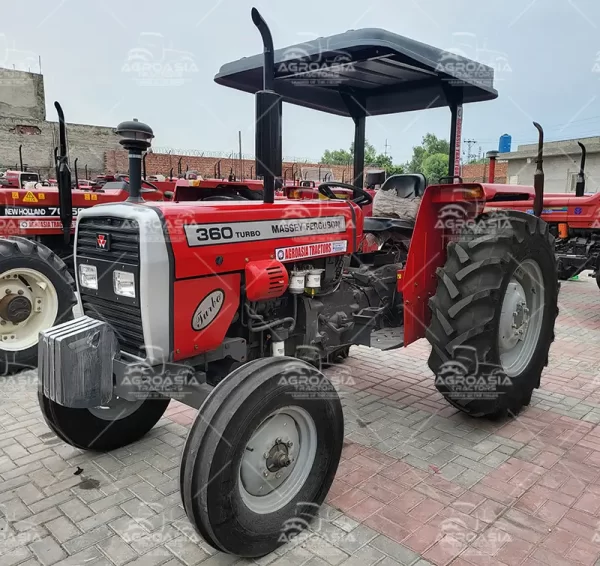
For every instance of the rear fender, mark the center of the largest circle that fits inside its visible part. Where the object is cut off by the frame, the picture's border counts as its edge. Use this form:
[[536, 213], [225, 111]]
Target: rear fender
[[443, 212]]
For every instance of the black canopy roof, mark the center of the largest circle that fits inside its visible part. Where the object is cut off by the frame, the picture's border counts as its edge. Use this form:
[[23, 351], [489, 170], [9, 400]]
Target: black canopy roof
[[381, 71]]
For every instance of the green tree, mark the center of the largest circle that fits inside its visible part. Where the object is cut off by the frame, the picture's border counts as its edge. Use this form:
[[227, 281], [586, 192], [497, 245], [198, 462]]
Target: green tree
[[336, 157], [372, 158], [435, 166], [431, 145]]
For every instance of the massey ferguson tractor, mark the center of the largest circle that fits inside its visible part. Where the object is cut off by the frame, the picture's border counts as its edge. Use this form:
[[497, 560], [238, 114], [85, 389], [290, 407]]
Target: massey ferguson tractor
[[231, 306], [574, 220], [36, 288]]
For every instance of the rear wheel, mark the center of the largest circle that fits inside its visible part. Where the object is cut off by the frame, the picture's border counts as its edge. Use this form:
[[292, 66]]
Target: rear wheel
[[494, 311], [36, 293], [116, 424], [261, 455]]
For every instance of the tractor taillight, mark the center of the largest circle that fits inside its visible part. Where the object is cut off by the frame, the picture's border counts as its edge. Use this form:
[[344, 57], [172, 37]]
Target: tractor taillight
[[265, 279], [473, 193]]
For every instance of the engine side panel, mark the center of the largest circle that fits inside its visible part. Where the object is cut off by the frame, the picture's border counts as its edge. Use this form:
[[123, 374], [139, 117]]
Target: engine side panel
[[210, 238], [203, 310]]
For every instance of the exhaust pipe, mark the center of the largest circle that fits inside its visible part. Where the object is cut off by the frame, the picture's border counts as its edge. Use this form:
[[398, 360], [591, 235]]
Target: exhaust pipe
[[63, 177], [580, 186], [21, 157], [492, 156], [538, 177], [268, 116], [76, 176]]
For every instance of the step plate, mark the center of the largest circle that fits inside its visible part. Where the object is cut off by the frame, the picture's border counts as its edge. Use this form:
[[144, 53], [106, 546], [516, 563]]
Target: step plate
[[387, 338]]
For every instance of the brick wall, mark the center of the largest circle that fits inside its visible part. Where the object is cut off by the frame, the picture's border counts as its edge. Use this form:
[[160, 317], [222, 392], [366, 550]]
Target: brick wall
[[478, 172], [161, 163]]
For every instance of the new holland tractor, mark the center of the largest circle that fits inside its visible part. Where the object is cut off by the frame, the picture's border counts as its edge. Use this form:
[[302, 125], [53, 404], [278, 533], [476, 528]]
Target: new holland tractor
[[231, 306]]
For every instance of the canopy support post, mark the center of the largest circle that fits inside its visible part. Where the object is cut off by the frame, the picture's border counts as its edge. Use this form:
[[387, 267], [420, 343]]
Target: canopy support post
[[357, 110]]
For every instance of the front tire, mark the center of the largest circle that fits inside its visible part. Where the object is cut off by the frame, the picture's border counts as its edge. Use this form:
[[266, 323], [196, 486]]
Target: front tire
[[103, 428], [261, 455], [36, 293], [494, 310]]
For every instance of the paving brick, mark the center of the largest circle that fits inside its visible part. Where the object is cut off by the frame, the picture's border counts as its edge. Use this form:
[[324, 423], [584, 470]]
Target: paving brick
[[62, 529], [87, 539], [47, 551], [15, 556], [395, 550], [75, 510], [117, 550]]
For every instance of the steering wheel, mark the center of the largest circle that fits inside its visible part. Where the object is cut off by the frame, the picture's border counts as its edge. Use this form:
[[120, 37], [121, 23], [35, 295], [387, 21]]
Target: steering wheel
[[359, 196], [154, 187]]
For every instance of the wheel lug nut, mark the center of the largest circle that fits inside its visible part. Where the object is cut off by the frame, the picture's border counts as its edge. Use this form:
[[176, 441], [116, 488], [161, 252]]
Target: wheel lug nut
[[266, 455], [290, 444], [266, 474], [8, 291], [278, 476], [20, 291]]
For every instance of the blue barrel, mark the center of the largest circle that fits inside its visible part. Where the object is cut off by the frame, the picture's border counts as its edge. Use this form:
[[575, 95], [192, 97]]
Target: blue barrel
[[504, 143]]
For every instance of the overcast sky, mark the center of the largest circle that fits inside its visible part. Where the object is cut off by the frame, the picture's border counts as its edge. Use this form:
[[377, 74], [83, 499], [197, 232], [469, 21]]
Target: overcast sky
[[546, 54]]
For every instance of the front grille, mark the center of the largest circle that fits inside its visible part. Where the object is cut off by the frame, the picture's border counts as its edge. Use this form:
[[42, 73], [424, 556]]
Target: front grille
[[124, 319], [124, 239]]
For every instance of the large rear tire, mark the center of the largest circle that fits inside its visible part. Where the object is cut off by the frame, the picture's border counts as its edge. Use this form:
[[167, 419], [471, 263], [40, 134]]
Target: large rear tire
[[106, 428], [261, 455], [36, 293], [494, 312]]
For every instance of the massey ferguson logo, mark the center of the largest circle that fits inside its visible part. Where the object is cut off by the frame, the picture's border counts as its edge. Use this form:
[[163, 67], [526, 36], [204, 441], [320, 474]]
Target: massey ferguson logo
[[103, 242]]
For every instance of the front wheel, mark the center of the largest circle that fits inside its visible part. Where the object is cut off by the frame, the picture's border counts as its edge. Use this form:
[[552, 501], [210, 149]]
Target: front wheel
[[494, 312], [36, 293], [117, 424], [261, 455]]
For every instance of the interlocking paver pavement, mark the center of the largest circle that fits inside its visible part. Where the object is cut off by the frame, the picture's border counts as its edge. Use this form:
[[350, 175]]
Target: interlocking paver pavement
[[418, 484]]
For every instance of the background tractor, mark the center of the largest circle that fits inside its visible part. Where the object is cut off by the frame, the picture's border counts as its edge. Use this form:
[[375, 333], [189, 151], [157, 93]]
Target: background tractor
[[230, 306], [574, 220]]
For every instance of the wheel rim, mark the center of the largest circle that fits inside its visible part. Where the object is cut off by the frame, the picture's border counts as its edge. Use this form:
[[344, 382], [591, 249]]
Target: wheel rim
[[521, 318], [277, 460], [28, 305], [117, 409]]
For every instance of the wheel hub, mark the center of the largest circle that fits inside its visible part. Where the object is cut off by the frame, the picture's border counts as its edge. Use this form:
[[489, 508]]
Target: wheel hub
[[15, 308], [514, 319], [521, 318], [28, 304], [270, 455]]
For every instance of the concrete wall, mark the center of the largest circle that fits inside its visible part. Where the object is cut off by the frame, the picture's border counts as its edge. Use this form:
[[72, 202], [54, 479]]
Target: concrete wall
[[22, 95], [558, 170], [39, 138], [22, 122]]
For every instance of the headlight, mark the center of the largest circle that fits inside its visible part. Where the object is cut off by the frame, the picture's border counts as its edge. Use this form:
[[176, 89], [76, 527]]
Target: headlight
[[88, 276], [124, 283]]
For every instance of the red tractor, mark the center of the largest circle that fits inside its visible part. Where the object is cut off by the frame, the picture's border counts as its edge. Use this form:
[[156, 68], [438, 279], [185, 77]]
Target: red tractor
[[36, 224], [574, 220], [231, 306]]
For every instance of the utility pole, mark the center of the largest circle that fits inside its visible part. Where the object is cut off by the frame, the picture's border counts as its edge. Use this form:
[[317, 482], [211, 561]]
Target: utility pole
[[386, 148], [241, 161], [470, 144]]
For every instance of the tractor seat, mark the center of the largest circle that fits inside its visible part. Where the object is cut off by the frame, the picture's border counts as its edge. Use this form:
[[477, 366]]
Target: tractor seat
[[375, 224], [406, 186]]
